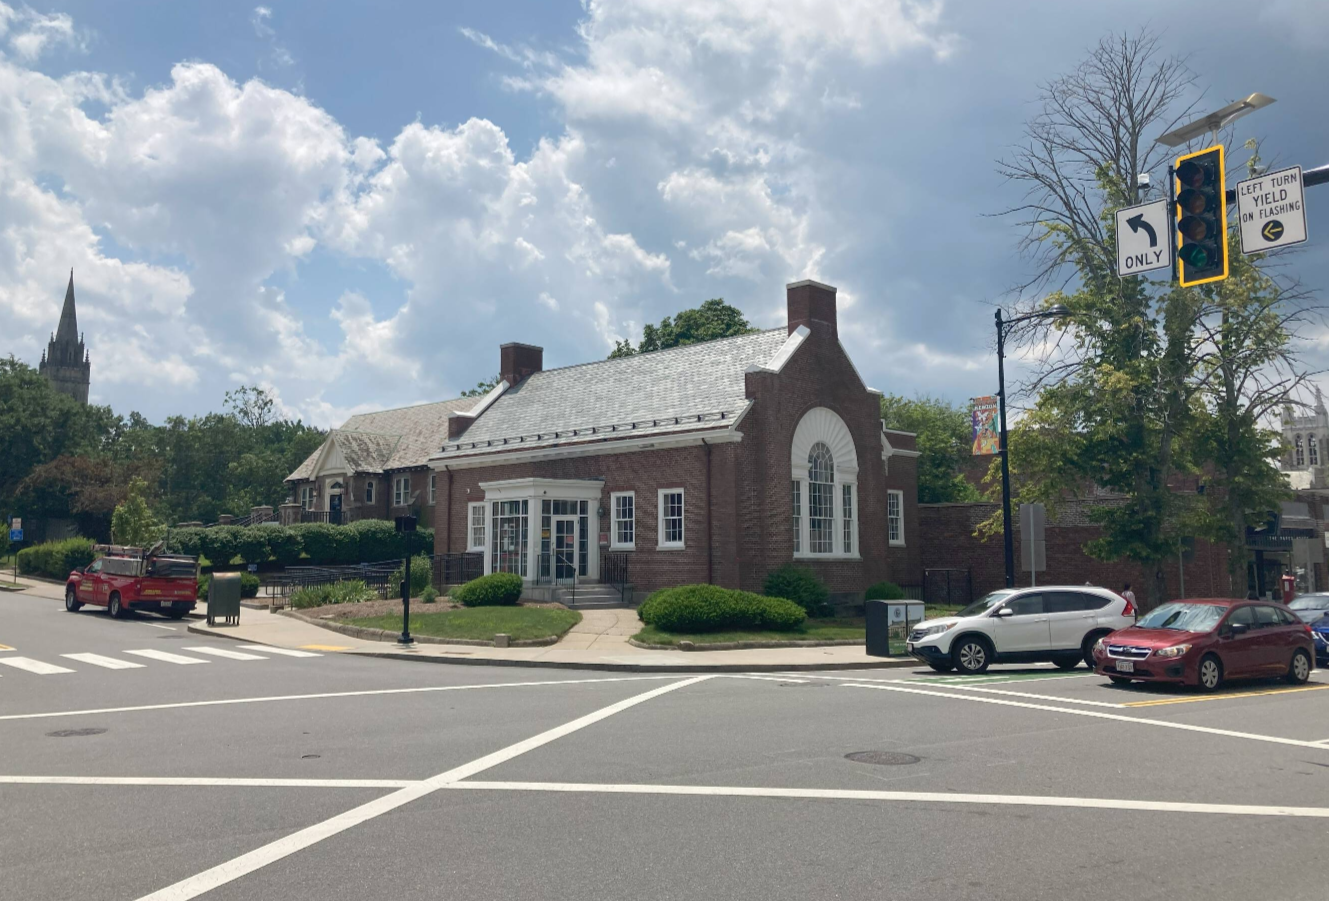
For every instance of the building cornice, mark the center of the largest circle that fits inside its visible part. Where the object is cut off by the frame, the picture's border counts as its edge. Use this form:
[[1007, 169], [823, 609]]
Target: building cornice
[[587, 449]]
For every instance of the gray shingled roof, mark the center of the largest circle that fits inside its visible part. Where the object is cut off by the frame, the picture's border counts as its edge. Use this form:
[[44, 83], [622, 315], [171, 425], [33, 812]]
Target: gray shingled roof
[[652, 390], [390, 439]]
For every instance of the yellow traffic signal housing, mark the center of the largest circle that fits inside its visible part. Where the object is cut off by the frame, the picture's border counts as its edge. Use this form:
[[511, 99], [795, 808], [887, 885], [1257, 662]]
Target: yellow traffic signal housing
[[1201, 216]]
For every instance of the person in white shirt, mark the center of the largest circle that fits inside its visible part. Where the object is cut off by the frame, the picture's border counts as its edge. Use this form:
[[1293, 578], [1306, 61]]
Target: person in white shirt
[[1128, 594]]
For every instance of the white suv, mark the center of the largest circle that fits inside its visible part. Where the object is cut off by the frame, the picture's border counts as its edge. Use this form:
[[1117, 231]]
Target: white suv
[[1059, 623]]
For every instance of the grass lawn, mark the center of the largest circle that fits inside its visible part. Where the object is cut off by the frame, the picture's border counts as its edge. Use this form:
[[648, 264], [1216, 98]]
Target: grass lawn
[[483, 623]]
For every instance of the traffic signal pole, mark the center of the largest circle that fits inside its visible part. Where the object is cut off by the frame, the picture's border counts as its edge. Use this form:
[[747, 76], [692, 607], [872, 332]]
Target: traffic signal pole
[[1007, 538]]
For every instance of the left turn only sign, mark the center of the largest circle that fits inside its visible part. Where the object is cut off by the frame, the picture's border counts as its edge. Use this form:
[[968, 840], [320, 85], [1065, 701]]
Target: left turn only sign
[[1143, 238]]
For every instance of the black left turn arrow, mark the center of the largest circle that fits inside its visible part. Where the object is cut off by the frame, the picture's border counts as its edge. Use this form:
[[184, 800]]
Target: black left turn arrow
[[1137, 222]]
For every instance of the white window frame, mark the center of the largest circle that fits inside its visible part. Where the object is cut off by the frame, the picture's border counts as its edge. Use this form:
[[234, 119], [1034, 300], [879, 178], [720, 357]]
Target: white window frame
[[660, 543], [401, 491], [471, 510], [796, 511], [614, 520], [824, 425], [306, 497], [432, 477], [898, 495], [848, 518], [369, 491]]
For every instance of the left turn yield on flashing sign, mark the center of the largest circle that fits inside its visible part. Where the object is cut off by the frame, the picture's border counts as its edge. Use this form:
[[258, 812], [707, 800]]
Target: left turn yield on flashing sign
[[1272, 210], [1143, 238]]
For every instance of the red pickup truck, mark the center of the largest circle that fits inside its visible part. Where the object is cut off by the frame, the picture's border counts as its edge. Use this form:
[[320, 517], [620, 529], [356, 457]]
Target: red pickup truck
[[133, 579]]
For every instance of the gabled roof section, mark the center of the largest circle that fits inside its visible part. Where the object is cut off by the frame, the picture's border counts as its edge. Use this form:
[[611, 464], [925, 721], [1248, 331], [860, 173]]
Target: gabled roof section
[[388, 439], [690, 388]]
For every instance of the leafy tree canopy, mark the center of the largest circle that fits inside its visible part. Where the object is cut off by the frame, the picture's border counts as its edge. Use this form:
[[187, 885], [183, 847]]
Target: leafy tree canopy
[[713, 319], [944, 445]]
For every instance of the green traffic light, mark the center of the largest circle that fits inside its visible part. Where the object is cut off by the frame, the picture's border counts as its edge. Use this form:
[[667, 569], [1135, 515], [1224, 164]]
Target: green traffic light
[[1197, 256]]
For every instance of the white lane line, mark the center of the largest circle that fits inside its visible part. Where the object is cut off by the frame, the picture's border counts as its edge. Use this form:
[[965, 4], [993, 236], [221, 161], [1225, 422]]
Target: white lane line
[[207, 781], [920, 797], [759, 678], [27, 664], [160, 626], [327, 694], [165, 656], [220, 875], [1166, 724], [225, 652], [285, 652], [1025, 694], [106, 662]]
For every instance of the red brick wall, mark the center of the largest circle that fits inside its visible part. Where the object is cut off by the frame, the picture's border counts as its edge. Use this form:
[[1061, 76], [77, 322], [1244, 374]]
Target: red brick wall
[[947, 542]]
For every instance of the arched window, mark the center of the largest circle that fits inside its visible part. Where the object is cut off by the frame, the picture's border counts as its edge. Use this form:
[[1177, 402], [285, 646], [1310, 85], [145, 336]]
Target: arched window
[[1313, 446], [824, 486], [1300, 453], [821, 499]]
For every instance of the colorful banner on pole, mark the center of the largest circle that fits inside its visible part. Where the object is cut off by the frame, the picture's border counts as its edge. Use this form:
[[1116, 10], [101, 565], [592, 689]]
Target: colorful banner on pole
[[987, 440]]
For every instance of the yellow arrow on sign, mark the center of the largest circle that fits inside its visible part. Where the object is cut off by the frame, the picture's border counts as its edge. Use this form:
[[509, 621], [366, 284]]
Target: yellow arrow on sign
[[1272, 231]]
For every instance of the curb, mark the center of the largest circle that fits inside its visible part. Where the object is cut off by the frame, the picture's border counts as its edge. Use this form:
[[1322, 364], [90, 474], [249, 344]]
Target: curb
[[747, 645]]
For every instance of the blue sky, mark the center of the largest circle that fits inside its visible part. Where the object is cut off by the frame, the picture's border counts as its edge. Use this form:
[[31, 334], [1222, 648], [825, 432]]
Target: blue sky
[[354, 204]]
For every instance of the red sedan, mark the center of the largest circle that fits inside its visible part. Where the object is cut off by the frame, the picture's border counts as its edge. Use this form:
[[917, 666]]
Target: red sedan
[[1203, 642]]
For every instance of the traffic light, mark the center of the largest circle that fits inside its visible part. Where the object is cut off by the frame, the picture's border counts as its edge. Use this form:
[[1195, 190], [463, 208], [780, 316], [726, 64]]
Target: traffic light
[[1202, 216]]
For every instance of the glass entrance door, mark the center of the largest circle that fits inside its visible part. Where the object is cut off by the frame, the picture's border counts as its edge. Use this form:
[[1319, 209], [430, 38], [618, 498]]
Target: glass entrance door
[[565, 548]]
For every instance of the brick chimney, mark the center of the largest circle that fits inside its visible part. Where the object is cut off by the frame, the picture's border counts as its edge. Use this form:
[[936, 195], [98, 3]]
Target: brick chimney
[[516, 361], [811, 304]]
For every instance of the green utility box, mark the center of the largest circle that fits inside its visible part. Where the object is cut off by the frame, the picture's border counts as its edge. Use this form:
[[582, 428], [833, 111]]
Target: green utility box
[[224, 599]]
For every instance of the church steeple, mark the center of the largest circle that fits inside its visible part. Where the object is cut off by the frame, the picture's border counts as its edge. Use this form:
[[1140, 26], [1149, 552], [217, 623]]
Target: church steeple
[[66, 363]]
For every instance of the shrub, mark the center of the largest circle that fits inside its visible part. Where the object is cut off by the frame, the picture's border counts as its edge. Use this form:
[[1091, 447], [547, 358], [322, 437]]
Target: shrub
[[429, 595], [319, 540], [493, 590], [185, 541], [710, 608], [884, 591], [377, 539], [251, 544], [218, 543], [350, 592], [421, 575], [800, 585], [55, 559], [248, 585], [284, 544], [203, 582]]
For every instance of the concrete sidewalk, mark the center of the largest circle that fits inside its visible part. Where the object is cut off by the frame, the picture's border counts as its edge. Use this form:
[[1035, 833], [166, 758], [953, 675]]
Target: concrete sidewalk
[[599, 641]]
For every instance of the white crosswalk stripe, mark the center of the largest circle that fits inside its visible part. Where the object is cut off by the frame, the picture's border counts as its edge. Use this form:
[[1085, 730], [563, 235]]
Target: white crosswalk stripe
[[34, 666], [106, 662], [285, 652], [225, 652], [165, 656]]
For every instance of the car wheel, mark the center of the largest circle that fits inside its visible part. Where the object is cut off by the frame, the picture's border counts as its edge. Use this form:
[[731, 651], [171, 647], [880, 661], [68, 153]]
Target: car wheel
[[1210, 672], [1119, 680], [72, 602], [942, 667], [1067, 663], [1300, 669], [1087, 649], [114, 607], [971, 656]]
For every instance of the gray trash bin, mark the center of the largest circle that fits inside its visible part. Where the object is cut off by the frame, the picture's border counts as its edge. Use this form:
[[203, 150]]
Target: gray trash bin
[[224, 599], [890, 621]]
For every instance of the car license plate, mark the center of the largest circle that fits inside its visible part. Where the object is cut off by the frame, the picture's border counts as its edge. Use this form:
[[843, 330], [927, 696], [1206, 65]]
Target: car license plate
[[1125, 666]]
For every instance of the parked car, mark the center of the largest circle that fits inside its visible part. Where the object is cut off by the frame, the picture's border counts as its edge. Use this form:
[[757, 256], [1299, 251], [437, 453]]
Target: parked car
[[1320, 636], [1205, 642], [1060, 623], [1310, 607], [129, 578]]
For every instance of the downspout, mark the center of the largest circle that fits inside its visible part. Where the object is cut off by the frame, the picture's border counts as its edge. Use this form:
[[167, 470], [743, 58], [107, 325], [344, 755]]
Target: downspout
[[447, 512], [710, 549]]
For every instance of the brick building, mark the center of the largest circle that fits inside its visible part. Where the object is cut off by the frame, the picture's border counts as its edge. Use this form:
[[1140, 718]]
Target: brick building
[[714, 462]]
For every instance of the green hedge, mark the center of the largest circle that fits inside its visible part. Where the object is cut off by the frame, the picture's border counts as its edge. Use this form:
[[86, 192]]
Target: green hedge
[[351, 592], [422, 575], [493, 590], [366, 541], [800, 585], [249, 585], [710, 608], [884, 591], [55, 559]]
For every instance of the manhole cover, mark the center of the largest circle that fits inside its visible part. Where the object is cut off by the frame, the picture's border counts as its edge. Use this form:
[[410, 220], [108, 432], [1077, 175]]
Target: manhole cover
[[882, 758], [70, 733]]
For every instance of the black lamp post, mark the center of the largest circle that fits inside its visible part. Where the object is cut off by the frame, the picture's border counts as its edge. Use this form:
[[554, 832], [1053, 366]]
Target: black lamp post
[[1007, 536], [406, 525]]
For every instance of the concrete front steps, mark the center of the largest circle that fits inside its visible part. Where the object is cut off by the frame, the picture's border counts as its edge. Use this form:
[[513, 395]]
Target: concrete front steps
[[590, 596]]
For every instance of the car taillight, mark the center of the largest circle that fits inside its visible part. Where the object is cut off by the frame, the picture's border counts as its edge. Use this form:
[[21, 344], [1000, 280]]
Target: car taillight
[[1130, 608]]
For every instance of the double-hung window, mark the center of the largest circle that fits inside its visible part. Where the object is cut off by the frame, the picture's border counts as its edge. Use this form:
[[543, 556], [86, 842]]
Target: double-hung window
[[671, 518], [475, 518], [798, 515], [821, 500], [307, 497], [401, 491], [847, 517], [369, 491], [895, 517], [623, 504], [432, 477]]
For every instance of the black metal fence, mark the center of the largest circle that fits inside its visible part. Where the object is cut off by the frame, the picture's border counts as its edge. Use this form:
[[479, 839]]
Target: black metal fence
[[614, 571], [947, 586], [457, 569]]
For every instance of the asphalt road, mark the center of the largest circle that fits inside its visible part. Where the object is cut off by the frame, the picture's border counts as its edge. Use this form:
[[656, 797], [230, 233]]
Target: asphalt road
[[335, 777]]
